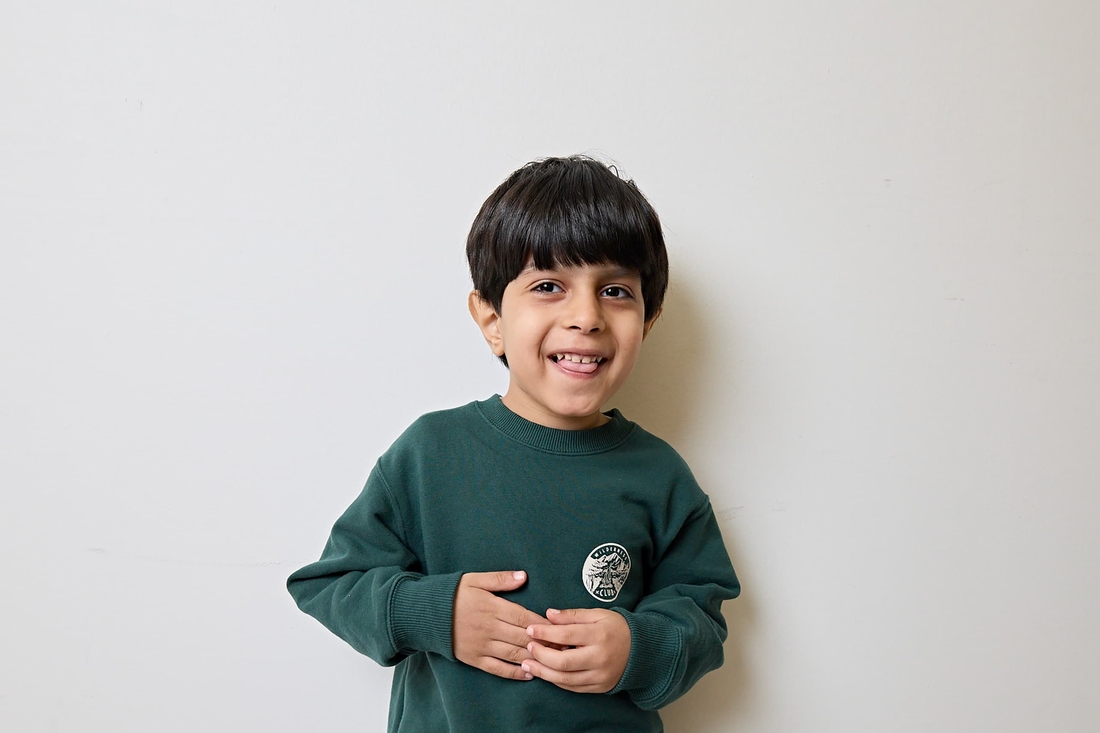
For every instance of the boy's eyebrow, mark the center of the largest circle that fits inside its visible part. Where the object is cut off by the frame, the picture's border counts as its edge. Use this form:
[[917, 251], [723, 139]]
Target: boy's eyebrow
[[621, 271]]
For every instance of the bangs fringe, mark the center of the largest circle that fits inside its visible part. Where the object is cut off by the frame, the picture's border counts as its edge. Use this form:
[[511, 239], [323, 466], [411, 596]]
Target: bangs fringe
[[562, 212]]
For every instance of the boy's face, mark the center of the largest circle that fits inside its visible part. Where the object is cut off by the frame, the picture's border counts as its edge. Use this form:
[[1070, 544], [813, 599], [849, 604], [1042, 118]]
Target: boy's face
[[571, 336]]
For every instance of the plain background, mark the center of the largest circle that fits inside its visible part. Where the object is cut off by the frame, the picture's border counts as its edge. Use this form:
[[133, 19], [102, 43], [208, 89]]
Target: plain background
[[232, 272]]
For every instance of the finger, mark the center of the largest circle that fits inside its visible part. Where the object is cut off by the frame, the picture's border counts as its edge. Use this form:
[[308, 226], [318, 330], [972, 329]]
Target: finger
[[504, 630], [496, 667], [517, 636], [562, 660], [576, 615], [506, 633], [583, 681], [571, 635], [501, 580], [515, 614], [506, 652]]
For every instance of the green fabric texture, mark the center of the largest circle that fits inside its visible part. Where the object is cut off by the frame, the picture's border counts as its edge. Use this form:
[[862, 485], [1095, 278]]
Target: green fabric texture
[[478, 489]]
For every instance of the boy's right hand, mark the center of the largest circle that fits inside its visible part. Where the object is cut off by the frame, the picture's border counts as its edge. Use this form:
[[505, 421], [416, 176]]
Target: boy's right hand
[[489, 632]]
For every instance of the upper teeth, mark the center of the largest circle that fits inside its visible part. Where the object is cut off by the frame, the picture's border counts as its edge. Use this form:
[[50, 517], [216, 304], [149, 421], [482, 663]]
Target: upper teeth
[[578, 358]]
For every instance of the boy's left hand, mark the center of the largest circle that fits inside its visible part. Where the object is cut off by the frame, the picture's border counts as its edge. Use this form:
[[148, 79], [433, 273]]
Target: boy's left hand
[[600, 647]]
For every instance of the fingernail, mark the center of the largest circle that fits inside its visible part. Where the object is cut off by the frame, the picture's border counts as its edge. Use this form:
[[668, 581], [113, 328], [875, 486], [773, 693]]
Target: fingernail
[[528, 676], [518, 575], [526, 668], [530, 630], [530, 648], [552, 611]]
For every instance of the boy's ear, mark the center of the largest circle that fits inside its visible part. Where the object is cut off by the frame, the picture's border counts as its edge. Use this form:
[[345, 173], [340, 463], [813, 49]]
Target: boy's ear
[[488, 320], [649, 324]]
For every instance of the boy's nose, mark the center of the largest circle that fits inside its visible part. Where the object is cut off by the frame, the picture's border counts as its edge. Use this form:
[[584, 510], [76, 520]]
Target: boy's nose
[[585, 314]]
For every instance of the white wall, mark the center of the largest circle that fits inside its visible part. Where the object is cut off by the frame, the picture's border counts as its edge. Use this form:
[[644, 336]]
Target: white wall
[[232, 272]]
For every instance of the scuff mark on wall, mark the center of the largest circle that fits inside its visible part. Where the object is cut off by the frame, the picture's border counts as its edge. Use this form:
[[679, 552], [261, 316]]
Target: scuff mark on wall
[[729, 513]]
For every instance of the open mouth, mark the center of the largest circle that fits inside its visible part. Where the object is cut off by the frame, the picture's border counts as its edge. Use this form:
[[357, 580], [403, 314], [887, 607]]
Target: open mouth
[[578, 364], [577, 359]]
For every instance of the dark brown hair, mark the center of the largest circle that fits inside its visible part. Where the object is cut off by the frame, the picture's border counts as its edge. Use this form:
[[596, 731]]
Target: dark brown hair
[[564, 212]]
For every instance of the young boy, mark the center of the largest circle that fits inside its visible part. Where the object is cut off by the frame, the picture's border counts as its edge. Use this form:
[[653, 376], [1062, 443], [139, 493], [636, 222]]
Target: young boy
[[528, 562]]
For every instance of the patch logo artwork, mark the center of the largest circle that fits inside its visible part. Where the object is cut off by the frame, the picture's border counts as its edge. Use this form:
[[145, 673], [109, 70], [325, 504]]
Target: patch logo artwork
[[605, 571]]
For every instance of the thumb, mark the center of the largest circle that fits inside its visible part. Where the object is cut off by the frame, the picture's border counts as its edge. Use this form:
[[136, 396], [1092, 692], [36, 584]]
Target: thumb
[[575, 615], [500, 580]]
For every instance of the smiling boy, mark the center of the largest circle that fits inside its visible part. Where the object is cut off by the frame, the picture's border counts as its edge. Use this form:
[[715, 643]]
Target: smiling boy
[[529, 562], [571, 335]]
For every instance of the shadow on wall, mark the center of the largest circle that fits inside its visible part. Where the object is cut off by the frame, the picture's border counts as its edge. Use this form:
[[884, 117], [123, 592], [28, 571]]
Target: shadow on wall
[[664, 394]]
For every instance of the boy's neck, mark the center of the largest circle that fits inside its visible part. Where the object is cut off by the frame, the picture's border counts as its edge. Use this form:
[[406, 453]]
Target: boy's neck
[[515, 401]]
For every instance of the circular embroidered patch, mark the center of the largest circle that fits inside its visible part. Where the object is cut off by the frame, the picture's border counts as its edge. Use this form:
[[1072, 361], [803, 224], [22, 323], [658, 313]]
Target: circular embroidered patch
[[605, 571]]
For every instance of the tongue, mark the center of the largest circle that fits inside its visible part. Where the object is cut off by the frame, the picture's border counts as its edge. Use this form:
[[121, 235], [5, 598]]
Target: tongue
[[577, 367]]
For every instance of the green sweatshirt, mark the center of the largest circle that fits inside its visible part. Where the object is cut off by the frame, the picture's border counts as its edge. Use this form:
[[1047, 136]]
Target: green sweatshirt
[[604, 518]]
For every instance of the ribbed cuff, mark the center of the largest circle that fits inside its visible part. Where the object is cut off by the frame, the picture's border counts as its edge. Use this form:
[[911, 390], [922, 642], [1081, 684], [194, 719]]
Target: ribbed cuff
[[655, 646], [421, 612]]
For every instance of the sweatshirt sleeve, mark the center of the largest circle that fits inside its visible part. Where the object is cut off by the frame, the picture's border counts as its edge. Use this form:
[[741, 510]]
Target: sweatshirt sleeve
[[367, 587], [677, 630]]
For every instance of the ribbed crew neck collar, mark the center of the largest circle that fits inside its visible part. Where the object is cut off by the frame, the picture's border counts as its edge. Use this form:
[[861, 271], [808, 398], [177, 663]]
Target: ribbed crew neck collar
[[555, 440]]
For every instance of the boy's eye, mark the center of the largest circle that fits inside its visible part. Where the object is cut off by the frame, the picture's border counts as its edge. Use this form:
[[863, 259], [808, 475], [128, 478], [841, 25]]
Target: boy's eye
[[616, 291], [547, 288]]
